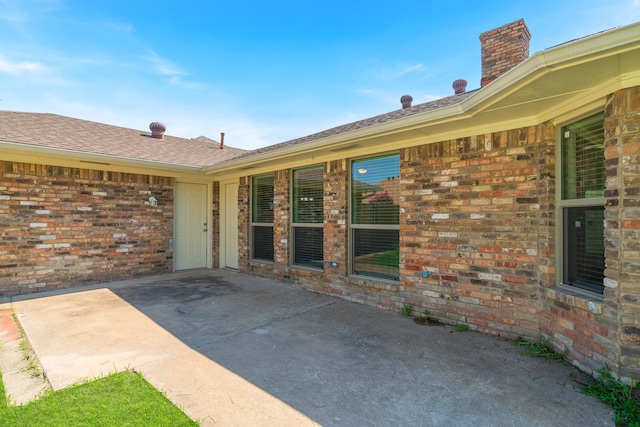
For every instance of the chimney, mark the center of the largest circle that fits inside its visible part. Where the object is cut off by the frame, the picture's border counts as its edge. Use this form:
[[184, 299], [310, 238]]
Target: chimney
[[222, 140], [460, 86], [157, 130], [406, 101], [502, 49]]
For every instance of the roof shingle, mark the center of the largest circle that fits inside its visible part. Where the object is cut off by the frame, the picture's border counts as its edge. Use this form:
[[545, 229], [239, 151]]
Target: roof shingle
[[372, 121], [60, 132]]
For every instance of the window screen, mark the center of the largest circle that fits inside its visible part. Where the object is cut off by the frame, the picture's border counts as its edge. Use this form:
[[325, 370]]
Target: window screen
[[262, 217], [375, 193], [583, 181], [308, 217]]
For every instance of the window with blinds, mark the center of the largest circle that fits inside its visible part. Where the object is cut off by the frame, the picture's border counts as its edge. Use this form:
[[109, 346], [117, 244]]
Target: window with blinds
[[262, 217], [582, 203], [307, 217], [375, 193], [583, 159]]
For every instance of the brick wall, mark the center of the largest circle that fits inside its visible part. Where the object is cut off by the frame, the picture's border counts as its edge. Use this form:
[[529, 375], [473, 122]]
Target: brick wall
[[469, 233], [63, 227], [622, 224], [478, 240], [469, 230], [595, 331], [580, 327]]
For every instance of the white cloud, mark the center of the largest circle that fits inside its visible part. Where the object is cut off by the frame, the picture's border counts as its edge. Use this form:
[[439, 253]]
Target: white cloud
[[163, 66], [119, 27], [173, 72], [400, 70], [410, 68], [19, 67]]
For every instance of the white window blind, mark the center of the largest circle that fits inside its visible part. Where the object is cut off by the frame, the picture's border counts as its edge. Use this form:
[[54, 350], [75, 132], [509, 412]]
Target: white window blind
[[308, 217]]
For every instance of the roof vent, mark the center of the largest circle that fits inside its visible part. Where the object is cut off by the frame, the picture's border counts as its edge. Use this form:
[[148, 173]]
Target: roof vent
[[157, 130], [460, 86], [406, 101]]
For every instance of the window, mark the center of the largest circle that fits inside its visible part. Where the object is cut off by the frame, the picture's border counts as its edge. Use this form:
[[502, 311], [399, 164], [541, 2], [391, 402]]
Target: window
[[582, 203], [308, 217], [262, 217], [375, 190]]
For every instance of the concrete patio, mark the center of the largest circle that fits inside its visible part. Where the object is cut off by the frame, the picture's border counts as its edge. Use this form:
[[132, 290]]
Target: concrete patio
[[232, 349]]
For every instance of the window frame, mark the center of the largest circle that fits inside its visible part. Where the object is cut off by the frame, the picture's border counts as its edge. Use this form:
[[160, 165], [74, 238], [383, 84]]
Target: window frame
[[296, 225], [254, 224], [354, 227], [562, 211]]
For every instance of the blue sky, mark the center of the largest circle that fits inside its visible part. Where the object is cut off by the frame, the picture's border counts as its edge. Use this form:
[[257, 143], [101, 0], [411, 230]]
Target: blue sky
[[263, 72]]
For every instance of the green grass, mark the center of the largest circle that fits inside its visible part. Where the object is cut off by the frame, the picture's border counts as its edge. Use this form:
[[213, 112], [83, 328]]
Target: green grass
[[407, 310], [543, 349], [624, 399], [389, 258], [121, 399], [3, 399]]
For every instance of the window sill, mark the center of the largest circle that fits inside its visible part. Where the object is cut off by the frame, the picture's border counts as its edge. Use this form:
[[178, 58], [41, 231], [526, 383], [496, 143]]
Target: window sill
[[377, 282], [307, 268], [576, 297], [261, 261]]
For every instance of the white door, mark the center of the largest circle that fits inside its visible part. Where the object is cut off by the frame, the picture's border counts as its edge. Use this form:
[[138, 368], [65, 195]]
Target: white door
[[230, 225], [191, 226]]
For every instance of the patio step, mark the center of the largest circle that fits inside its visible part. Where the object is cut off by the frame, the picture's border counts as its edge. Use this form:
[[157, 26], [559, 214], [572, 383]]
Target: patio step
[[23, 380]]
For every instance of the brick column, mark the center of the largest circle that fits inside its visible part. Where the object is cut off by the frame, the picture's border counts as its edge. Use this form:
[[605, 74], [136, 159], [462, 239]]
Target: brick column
[[215, 225], [622, 224], [545, 135], [281, 223], [335, 216], [243, 223]]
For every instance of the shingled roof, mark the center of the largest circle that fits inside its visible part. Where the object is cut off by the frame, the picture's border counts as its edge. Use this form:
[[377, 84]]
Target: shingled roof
[[372, 121], [66, 133]]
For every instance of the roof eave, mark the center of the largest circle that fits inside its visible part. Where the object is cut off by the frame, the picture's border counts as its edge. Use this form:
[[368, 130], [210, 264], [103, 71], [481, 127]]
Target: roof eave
[[13, 151], [577, 53]]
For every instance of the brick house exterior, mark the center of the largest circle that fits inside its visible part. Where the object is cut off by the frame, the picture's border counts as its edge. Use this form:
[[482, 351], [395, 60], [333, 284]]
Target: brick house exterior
[[67, 220], [481, 217], [72, 226]]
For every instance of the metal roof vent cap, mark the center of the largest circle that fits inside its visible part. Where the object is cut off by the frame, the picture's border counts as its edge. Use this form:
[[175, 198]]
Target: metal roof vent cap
[[460, 86], [406, 101], [157, 130]]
